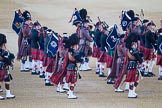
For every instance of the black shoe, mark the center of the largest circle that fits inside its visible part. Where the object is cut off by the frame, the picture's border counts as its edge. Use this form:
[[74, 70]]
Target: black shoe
[[133, 97], [151, 74], [10, 97], [110, 82], [35, 73], [29, 68], [97, 72], [142, 73], [42, 76], [101, 75], [1, 90], [48, 84], [160, 78], [147, 75], [25, 70], [2, 98]]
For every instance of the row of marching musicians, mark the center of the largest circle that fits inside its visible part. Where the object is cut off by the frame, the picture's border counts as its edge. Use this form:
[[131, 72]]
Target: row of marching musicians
[[55, 58], [50, 56], [131, 54]]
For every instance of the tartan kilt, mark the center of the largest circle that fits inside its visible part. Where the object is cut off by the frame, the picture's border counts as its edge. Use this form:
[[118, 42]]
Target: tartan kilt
[[131, 75], [41, 55], [159, 60], [86, 49], [45, 60], [96, 52], [58, 77], [103, 57], [142, 49], [3, 73], [35, 53], [71, 76], [149, 54], [109, 61], [50, 65], [25, 50]]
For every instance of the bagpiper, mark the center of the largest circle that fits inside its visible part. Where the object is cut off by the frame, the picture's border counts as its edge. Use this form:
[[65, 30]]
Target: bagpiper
[[74, 57], [84, 45], [35, 34], [42, 37], [159, 52], [24, 42], [134, 59], [6, 61], [97, 45], [150, 48]]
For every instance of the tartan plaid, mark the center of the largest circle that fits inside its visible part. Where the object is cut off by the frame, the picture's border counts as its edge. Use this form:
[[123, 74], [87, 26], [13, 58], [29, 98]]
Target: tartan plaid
[[142, 49], [3, 73], [58, 77], [50, 65], [109, 61], [102, 57], [131, 75], [96, 52], [148, 54], [159, 60], [35, 53], [45, 60], [25, 50], [41, 55], [71, 76]]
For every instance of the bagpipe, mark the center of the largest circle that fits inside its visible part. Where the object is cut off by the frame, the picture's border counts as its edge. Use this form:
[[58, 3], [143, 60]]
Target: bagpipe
[[103, 23], [127, 17], [78, 56], [79, 16], [8, 59], [141, 15]]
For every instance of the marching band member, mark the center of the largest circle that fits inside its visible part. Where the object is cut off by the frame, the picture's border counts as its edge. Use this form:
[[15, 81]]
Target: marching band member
[[159, 52], [84, 45], [49, 60], [6, 60], [97, 45], [150, 47], [35, 34], [41, 51], [118, 62], [74, 57], [134, 58], [24, 41], [103, 52]]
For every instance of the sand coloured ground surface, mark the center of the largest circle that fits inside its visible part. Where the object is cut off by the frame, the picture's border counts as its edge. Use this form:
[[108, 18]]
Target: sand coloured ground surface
[[92, 91]]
